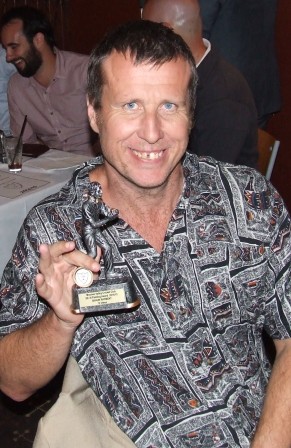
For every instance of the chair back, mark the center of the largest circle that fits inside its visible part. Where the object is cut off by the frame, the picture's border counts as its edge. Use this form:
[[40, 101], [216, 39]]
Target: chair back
[[268, 149]]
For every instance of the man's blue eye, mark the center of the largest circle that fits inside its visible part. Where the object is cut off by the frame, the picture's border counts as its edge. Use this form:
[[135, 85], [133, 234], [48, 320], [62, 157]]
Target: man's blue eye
[[169, 106], [131, 106]]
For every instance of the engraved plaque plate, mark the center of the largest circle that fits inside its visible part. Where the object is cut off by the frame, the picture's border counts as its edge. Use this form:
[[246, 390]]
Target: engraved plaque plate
[[105, 295]]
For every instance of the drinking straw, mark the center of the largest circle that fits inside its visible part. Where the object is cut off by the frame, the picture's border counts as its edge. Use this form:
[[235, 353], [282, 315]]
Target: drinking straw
[[19, 138]]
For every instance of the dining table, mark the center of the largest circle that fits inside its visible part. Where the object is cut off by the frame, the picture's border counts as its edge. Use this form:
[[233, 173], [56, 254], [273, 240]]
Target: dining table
[[40, 177]]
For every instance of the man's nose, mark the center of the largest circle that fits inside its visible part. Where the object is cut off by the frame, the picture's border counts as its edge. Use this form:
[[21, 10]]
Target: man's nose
[[151, 127], [9, 55]]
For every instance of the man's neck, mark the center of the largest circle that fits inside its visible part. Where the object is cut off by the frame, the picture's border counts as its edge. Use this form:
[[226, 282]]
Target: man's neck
[[149, 212], [116, 189], [47, 70], [198, 50]]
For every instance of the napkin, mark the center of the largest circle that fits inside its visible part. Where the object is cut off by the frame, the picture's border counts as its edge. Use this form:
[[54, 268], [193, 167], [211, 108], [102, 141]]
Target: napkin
[[56, 160]]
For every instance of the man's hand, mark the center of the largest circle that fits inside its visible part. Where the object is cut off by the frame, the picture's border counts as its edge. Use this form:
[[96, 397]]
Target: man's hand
[[55, 279]]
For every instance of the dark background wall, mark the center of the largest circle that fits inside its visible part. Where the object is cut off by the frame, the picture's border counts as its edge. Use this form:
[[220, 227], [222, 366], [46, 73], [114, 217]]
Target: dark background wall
[[80, 24], [88, 20], [280, 124]]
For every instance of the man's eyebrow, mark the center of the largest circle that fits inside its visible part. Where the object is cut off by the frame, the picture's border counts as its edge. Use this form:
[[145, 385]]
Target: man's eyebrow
[[10, 44]]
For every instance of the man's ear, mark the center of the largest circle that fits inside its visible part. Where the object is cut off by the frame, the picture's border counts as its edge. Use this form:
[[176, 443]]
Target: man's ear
[[168, 25], [92, 118], [38, 40]]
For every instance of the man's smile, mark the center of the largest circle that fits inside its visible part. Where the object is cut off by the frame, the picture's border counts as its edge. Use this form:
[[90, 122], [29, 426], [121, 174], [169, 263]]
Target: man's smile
[[148, 155]]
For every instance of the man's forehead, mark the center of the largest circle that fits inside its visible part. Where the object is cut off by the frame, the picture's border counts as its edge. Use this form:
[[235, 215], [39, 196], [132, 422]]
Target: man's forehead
[[14, 23], [13, 28], [119, 57], [124, 79], [127, 61]]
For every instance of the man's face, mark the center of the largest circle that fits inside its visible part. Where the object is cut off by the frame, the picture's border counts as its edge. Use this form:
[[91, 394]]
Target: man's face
[[19, 52], [144, 120]]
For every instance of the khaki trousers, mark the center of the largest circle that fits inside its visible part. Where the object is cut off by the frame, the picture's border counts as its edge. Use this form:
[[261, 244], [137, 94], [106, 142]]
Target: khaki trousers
[[78, 419]]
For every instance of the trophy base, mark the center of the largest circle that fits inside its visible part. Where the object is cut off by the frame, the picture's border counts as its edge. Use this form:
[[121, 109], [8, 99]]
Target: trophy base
[[105, 295]]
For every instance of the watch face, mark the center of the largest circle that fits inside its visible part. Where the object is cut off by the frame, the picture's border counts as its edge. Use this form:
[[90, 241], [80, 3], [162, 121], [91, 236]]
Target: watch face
[[83, 277]]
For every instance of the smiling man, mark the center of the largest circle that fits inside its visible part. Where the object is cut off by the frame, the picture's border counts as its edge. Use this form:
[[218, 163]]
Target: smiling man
[[50, 86], [207, 246], [143, 125]]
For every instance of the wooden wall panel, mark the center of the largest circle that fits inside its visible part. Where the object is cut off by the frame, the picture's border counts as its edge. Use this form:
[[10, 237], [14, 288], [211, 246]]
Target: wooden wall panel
[[89, 20]]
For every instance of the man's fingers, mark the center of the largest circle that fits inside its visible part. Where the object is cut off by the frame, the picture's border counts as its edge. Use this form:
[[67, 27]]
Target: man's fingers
[[65, 250], [45, 257], [57, 249], [41, 285], [80, 259], [50, 252]]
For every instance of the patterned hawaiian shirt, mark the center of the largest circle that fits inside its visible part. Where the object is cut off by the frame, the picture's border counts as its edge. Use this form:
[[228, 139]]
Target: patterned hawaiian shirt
[[187, 368]]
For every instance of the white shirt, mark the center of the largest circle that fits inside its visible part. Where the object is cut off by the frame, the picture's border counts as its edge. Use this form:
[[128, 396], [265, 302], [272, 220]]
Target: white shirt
[[208, 45], [6, 70]]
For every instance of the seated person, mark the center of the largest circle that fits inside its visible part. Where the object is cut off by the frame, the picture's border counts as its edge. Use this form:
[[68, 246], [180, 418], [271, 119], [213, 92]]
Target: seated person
[[50, 86], [207, 245], [225, 122], [244, 33], [6, 70]]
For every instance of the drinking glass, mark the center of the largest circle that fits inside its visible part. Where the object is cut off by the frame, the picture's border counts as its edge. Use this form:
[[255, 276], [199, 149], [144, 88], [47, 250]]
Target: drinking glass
[[13, 149]]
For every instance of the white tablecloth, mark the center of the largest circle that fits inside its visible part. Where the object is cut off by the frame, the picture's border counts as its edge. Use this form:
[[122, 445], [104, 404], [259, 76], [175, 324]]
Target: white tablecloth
[[55, 168]]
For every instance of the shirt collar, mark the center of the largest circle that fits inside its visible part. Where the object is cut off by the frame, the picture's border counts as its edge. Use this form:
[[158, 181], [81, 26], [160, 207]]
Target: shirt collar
[[60, 64], [208, 48], [59, 73]]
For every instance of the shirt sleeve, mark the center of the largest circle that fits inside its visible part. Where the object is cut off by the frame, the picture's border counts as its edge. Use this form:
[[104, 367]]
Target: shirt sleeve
[[278, 305], [17, 116], [19, 302]]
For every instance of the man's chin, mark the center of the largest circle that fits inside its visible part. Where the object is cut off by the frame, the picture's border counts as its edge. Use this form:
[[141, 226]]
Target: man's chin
[[23, 73]]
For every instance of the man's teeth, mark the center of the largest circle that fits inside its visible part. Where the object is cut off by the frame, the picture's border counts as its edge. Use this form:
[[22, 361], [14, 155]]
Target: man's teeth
[[148, 155]]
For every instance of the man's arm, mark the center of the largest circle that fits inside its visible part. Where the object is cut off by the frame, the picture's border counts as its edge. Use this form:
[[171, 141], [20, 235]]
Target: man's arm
[[31, 357], [17, 117], [274, 429]]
